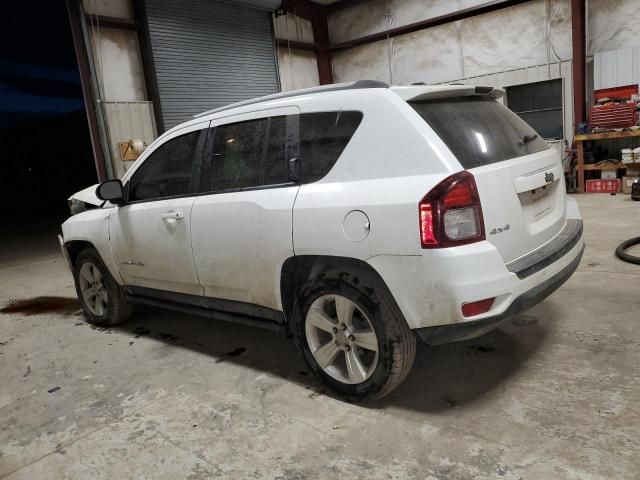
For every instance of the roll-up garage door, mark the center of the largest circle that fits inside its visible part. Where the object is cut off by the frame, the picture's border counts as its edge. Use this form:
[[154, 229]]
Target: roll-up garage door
[[208, 54]]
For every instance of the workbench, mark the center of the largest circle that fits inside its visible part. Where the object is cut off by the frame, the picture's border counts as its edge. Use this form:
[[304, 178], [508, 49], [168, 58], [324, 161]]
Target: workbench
[[581, 167]]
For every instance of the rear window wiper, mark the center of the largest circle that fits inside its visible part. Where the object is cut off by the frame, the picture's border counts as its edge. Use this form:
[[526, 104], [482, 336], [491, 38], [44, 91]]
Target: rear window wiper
[[528, 138]]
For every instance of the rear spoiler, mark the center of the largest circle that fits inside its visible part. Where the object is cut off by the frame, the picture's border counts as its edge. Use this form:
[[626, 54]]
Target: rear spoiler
[[434, 92]]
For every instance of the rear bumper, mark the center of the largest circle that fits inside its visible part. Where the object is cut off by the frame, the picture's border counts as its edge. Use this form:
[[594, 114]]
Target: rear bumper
[[466, 330], [430, 288]]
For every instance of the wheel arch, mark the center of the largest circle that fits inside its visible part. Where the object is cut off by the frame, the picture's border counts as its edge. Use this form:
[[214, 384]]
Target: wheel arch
[[298, 269], [74, 247]]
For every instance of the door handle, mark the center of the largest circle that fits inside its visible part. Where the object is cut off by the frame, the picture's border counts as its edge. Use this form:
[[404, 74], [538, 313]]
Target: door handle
[[172, 216]]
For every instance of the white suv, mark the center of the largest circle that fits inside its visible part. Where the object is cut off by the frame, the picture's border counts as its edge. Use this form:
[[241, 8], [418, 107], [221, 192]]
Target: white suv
[[356, 217]]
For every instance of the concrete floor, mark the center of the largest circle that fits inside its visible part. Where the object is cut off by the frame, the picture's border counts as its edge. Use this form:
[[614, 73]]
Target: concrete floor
[[554, 394]]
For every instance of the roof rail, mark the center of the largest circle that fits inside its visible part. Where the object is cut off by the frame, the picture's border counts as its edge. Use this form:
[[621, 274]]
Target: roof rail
[[359, 84]]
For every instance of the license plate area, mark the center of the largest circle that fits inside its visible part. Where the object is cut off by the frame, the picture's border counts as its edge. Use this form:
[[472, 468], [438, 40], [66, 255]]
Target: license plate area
[[538, 203]]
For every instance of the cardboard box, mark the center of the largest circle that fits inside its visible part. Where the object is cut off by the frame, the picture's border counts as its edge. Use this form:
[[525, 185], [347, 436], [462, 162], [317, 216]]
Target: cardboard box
[[602, 186], [627, 182]]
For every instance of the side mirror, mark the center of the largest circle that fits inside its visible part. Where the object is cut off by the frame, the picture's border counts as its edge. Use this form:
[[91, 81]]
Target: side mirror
[[111, 191]]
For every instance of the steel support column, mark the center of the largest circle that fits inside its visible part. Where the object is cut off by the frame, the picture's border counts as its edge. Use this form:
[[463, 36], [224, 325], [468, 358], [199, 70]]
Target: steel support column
[[579, 58], [318, 18], [84, 68]]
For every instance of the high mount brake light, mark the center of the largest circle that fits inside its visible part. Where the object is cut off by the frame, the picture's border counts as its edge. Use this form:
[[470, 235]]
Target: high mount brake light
[[451, 214]]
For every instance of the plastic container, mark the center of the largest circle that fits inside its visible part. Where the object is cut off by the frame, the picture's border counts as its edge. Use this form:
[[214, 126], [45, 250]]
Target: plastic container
[[602, 186], [627, 155]]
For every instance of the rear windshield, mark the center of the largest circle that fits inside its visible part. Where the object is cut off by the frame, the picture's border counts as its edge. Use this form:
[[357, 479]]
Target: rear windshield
[[479, 131]]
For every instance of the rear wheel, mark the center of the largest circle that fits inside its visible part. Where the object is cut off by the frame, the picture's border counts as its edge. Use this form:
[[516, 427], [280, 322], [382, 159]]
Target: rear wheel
[[104, 302], [353, 335]]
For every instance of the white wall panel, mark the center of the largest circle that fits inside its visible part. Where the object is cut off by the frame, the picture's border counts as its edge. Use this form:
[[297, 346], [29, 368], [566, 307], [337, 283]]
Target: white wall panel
[[298, 69], [415, 60], [116, 56], [290, 27], [613, 25], [508, 39], [126, 121], [109, 8], [515, 37], [369, 62], [379, 15], [616, 68]]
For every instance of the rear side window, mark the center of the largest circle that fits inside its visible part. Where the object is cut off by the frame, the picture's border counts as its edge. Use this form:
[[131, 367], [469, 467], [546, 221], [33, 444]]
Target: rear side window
[[323, 137], [249, 154], [169, 171], [480, 131]]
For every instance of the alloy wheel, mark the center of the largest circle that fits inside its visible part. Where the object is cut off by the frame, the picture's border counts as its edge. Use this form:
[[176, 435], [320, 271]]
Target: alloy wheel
[[94, 292], [341, 339]]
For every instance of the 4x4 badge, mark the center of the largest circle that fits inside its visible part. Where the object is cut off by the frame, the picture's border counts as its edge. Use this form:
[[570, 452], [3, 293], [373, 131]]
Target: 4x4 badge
[[497, 230], [548, 177]]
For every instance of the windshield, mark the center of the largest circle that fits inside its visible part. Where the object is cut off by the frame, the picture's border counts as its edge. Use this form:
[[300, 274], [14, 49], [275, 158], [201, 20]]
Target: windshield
[[479, 131]]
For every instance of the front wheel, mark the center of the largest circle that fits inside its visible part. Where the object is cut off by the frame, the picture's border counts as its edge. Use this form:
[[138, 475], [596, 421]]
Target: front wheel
[[104, 302], [353, 335]]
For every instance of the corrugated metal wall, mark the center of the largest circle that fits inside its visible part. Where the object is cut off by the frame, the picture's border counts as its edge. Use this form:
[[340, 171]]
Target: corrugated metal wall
[[208, 54], [126, 121], [535, 74], [616, 68]]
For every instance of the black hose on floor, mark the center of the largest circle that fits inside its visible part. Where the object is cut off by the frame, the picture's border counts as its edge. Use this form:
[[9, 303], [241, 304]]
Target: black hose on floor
[[623, 255]]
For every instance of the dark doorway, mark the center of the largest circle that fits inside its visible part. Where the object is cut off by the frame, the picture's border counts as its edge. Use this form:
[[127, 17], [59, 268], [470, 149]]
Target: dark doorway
[[45, 147]]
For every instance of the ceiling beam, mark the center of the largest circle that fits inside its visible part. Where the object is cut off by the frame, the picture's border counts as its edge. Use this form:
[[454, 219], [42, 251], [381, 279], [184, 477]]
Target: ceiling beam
[[341, 5], [429, 23]]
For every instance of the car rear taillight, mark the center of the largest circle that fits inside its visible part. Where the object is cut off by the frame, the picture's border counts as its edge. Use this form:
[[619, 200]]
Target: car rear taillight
[[450, 214]]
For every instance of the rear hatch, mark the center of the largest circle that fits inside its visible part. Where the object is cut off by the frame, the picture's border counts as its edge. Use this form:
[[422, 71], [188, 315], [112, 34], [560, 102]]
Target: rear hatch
[[519, 178]]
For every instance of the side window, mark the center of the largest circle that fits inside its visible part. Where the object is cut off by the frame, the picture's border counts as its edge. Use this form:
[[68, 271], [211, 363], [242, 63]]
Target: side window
[[249, 154], [275, 164], [168, 171], [323, 137]]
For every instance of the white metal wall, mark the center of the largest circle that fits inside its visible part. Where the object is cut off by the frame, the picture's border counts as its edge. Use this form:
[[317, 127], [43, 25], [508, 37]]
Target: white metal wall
[[126, 121], [535, 74], [616, 68]]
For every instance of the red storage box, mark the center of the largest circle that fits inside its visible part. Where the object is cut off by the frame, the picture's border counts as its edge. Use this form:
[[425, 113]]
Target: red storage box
[[615, 115], [603, 186], [616, 92]]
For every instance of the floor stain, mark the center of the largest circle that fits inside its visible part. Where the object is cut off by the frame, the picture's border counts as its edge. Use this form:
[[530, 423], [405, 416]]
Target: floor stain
[[236, 352], [141, 331], [482, 348], [38, 305], [524, 320], [449, 401], [167, 337], [27, 372], [101, 329], [232, 353]]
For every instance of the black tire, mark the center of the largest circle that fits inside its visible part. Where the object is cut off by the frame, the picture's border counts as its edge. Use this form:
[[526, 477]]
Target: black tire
[[118, 309], [627, 257], [396, 342]]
